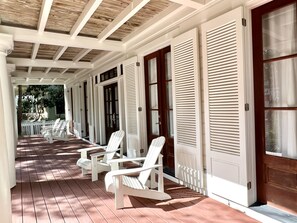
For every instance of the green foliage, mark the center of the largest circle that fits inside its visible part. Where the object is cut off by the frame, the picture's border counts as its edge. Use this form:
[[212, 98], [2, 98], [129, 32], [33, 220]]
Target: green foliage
[[43, 96]]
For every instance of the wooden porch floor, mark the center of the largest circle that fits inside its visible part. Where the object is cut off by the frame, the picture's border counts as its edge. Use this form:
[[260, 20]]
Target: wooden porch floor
[[50, 188]]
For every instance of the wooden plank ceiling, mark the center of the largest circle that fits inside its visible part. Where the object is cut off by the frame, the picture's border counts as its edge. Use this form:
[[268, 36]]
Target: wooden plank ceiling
[[60, 40]]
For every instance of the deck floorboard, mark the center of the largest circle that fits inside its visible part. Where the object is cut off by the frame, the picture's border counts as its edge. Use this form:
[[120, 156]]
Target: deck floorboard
[[50, 188]]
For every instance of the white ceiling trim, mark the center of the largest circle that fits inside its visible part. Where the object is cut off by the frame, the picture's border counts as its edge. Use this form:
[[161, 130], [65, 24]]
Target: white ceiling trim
[[81, 54], [84, 17], [171, 23], [35, 50], [43, 17], [156, 21], [39, 74], [59, 53], [123, 17], [190, 3], [36, 81], [49, 63], [44, 13], [49, 38]]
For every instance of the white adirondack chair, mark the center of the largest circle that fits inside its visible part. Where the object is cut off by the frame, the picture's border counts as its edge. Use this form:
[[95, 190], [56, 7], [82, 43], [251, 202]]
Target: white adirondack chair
[[121, 182], [60, 133], [98, 162], [46, 129]]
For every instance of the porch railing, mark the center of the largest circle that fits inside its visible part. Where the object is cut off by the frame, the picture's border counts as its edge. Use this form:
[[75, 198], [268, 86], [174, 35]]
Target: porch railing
[[33, 128]]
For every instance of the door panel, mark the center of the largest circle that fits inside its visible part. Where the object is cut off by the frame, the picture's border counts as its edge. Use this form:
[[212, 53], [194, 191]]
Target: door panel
[[225, 117], [86, 109], [131, 95], [111, 108], [159, 107], [275, 83]]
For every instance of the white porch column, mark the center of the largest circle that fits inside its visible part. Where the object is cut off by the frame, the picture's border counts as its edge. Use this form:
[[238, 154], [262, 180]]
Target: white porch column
[[14, 108], [67, 106], [6, 43], [11, 68]]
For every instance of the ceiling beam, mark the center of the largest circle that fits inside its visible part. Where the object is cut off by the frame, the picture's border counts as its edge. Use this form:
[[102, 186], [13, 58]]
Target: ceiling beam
[[43, 17], [84, 17], [81, 54], [35, 51], [195, 4], [47, 70], [38, 74], [165, 15], [64, 71], [27, 81], [44, 13], [49, 63], [123, 17], [29, 70], [59, 53], [49, 38]]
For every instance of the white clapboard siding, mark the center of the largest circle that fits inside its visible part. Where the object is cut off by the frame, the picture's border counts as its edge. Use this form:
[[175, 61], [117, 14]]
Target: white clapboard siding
[[187, 111], [223, 75], [131, 105]]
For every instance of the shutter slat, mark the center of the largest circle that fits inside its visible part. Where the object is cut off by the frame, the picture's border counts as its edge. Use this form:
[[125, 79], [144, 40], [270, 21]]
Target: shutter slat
[[131, 114], [223, 83], [185, 93]]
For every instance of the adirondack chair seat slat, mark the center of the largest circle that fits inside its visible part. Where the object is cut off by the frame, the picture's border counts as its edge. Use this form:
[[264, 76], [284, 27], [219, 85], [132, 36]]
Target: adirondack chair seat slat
[[99, 161], [135, 181]]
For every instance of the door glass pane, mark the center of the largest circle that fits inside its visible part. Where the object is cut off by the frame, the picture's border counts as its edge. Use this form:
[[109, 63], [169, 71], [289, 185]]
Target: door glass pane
[[153, 93], [152, 70], [169, 94], [281, 133], [280, 83], [170, 124], [116, 93], [279, 32], [168, 65], [155, 122]]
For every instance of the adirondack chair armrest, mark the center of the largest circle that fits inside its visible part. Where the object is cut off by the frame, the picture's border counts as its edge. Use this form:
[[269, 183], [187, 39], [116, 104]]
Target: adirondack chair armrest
[[116, 173], [125, 160], [90, 149], [84, 151], [103, 153]]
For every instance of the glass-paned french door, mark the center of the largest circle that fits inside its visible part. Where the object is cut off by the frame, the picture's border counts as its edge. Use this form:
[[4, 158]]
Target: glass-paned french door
[[111, 107], [275, 75], [159, 108]]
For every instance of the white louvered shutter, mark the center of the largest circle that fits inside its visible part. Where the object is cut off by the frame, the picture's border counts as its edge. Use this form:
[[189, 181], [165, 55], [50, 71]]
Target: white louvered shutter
[[187, 112], [131, 104], [223, 75]]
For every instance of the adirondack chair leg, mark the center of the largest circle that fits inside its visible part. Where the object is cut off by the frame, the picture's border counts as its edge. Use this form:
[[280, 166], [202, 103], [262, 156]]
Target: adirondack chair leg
[[50, 139], [160, 175], [83, 171], [94, 169], [119, 195]]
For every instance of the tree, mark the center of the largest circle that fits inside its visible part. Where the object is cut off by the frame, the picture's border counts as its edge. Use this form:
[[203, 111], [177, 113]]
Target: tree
[[43, 96]]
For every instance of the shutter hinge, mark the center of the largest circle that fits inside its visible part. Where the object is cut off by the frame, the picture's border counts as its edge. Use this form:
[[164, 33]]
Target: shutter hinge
[[137, 64], [246, 107], [243, 20], [249, 185], [139, 109]]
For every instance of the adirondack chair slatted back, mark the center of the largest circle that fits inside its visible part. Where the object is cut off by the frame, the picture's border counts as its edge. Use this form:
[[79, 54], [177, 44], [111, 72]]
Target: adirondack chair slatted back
[[56, 123], [59, 126], [113, 144], [61, 131], [151, 157]]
